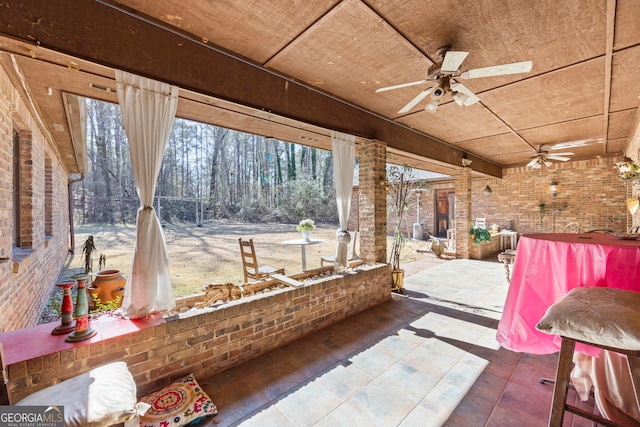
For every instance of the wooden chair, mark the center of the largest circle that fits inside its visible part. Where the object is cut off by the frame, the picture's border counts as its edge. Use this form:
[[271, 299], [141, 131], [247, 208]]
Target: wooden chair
[[250, 263], [507, 257], [330, 259], [572, 227]]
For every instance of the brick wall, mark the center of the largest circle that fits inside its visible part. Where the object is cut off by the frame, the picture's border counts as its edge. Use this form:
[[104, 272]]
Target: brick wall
[[588, 191], [28, 273], [203, 341], [590, 188]]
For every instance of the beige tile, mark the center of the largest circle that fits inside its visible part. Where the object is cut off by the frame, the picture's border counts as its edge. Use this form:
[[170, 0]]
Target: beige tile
[[387, 406], [268, 417], [344, 380], [348, 415], [308, 404], [422, 417], [409, 381], [373, 362]]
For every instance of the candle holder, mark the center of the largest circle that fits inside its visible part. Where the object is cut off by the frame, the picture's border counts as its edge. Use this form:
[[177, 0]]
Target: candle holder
[[82, 329], [67, 325]]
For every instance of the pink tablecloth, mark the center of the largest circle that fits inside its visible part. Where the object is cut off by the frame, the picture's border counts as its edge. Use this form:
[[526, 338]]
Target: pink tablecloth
[[547, 266]]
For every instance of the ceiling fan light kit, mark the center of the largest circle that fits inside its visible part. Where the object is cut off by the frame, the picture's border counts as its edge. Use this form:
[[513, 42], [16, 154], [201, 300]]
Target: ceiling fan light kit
[[445, 72], [431, 107], [460, 98]]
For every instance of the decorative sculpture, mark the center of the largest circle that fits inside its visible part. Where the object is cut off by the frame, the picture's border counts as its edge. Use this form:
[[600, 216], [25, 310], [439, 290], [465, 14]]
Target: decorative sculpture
[[66, 310], [82, 329]]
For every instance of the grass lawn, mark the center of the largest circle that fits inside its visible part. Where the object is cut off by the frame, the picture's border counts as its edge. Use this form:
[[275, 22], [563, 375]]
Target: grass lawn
[[210, 254]]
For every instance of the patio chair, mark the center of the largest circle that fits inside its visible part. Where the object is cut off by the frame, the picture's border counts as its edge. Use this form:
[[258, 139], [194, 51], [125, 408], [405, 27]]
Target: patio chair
[[508, 258], [481, 222], [250, 263], [572, 227], [330, 259]]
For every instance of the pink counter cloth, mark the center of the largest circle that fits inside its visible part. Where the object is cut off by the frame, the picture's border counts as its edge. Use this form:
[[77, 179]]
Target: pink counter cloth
[[547, 267]]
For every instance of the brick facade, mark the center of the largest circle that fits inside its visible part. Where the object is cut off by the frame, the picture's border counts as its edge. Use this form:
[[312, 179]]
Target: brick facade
[[28, 272], [202, 341], [589, 191]]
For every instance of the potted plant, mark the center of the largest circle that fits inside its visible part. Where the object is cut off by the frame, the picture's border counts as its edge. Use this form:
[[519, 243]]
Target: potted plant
[[305, 227], [479, 234], [401, 182]]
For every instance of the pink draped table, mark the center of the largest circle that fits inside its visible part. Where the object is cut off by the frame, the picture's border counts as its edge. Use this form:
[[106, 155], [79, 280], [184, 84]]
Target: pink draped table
[[547, 266]]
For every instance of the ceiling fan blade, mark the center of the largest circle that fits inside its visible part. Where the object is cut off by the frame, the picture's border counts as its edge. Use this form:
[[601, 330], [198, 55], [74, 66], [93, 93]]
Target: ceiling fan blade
[[471, 97], [562, 154], [559, 158], [452, 60], [547, 163], [533, 162], [415, 101], [572, 144], [384, 89], [498, 70]]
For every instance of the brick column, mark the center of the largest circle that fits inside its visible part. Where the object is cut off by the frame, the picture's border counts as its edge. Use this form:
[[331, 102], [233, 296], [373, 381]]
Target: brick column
[[372, 201], [463, 212]]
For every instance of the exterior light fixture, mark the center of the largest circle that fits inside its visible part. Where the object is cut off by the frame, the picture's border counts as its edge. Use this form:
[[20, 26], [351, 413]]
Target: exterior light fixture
[[487, 190], [553, 188]]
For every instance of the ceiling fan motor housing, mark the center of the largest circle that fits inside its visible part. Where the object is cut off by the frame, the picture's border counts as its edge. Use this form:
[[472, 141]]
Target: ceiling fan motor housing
[[441, 88]]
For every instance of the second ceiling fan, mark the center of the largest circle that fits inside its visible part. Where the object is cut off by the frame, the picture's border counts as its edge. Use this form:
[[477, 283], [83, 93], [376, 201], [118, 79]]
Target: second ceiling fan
[[445, 75], [543, 157]]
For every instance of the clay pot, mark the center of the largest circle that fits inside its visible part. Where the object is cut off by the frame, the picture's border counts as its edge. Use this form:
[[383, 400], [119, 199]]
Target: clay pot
[[107, 285], [437, 248]]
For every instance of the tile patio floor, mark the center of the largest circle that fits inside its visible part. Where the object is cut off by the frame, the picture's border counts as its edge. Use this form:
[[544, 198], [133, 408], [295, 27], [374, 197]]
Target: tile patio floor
[[426, 358]]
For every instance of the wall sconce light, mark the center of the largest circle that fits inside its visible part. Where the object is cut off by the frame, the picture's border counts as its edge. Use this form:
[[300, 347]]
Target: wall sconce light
[[553, 188], [487, 190]]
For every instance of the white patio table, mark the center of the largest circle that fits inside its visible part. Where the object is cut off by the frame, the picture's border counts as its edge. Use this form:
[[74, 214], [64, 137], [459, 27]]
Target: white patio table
[[303, 245]]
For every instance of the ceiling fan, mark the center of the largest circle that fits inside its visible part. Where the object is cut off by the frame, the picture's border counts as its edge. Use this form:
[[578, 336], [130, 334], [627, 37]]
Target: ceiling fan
[[445, 75], [542, 157]]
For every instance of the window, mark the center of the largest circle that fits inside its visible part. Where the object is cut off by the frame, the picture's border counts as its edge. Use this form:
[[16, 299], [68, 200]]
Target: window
[[48, 197], [16, 190]]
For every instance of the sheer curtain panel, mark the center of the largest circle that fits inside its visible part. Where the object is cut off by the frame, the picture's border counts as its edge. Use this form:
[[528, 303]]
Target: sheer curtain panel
[[343, 147], [148, 108]]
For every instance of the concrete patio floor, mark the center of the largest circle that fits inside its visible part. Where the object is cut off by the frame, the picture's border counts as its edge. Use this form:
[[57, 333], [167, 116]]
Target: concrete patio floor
[[425, 358]]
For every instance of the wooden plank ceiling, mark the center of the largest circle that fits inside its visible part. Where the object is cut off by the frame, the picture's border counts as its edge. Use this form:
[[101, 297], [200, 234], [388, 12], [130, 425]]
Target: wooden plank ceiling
[[295, 70]]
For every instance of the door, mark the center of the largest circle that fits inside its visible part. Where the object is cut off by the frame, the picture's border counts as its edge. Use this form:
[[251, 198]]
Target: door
[[444, 211]]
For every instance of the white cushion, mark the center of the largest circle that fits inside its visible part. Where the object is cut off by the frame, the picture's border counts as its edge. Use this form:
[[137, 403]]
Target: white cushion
[[604, 316], [103, 396]]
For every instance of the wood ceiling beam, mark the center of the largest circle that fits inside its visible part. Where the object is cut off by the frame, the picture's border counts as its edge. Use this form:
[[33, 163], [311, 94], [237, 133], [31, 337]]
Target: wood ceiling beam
[[123, 39], [610, 34]]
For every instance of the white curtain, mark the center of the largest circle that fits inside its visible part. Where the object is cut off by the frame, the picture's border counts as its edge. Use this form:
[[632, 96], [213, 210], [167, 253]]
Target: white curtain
[[148, 108], [343, 147]]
